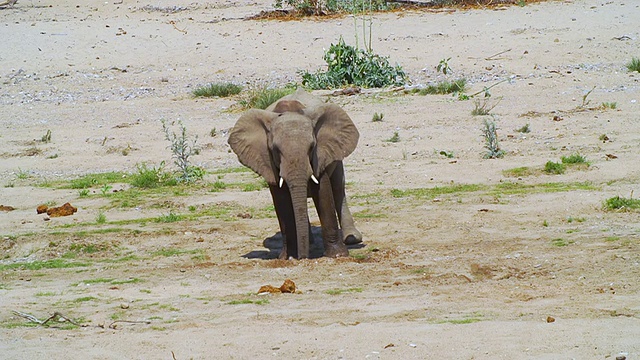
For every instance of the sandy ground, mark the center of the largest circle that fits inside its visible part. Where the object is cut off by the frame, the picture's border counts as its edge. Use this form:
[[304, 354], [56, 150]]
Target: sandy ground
[[466, 275]]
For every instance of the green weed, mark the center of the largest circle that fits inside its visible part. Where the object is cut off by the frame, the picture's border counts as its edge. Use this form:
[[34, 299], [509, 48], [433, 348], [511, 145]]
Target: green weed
[[395, 138], [524, 129], [217, 89], [46, 138], [248, 301], [442, 88], [560, 242], [490, 133], [377, 117], [518, 172], [45, 264], [182, 148], [168, 218], [574, 159], [263, 97], [432, 193], [609, 105]]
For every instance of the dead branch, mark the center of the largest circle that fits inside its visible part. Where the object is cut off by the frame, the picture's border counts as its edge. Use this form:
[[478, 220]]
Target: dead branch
[[56, 316], [8, 3], [494, 55]]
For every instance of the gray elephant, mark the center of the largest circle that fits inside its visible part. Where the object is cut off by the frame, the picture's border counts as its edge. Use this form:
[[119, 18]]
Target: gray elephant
[[297, 145]]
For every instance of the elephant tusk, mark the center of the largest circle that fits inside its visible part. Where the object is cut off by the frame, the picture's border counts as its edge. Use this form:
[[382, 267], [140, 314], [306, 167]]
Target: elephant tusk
[[313, 177], [281, 182]]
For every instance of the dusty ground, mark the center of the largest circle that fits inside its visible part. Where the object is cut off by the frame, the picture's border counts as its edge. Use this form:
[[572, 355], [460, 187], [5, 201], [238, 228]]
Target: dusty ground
[[472, 274]]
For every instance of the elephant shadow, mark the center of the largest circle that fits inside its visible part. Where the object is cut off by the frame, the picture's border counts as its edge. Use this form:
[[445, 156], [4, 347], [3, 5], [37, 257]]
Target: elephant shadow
[[274, 243]]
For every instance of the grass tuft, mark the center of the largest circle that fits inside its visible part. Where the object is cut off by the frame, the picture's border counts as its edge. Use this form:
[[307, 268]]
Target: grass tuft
[[217, 89], [634, 64], [621, 204], [554, 168]]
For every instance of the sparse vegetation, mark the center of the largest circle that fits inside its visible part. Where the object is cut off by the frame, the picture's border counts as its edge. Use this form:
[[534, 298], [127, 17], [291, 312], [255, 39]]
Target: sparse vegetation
[[609, 105], [46, 138], [575, 159], [324, 7], [524, 129], [343, 291], [483, 107], [217, 89], [101, 218], [377, 117], [348, 65]]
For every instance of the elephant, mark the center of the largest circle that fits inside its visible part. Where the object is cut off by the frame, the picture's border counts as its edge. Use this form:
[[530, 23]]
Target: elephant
[[297, 145]]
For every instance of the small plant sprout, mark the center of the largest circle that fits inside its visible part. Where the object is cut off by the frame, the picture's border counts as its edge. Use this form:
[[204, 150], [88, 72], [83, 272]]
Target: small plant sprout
[[377, 117], [105, 189], [586, 102], [101, 218], [443, 66], [395, 138], [447, 154], [46, 138], [524, 129], [634, 64], [213, 132], [83, 193], [609, 106], [490, 133], [181, 150]]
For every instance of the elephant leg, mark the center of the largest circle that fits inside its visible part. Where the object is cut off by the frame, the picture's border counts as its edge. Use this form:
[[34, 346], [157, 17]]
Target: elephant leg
[[284, 211], [325, 204], [350, 234]]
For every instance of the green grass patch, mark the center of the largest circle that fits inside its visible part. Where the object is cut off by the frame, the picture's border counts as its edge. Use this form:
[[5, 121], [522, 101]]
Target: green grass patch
[[45, 293], [368, 214], [248, 301], [95, 180], [621, 204], [432, 193], [560, 242], [574, 159], [519, 172], [470, 320], [514, 188], [169, 218], [45, 264], [343, 291], [84, 299], [218, 89], [168, 252]]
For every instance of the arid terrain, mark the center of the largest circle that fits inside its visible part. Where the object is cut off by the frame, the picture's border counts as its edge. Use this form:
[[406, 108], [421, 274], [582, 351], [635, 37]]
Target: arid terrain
[[463, 257]]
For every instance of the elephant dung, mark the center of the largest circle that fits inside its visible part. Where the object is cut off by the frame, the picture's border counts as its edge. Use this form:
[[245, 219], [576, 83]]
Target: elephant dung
[[64, 210], [287, 287]]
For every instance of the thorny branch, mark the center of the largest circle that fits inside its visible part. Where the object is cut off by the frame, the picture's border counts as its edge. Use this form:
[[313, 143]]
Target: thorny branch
[[56, 316]]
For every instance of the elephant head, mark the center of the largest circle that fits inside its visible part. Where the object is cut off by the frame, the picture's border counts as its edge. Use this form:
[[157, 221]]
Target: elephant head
[[293, 142]]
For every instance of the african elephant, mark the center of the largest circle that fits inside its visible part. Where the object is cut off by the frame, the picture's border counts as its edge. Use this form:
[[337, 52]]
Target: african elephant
[[300, 141]]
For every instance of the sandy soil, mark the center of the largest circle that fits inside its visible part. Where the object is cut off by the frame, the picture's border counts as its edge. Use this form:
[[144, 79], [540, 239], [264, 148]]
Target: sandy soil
[[472, 274]]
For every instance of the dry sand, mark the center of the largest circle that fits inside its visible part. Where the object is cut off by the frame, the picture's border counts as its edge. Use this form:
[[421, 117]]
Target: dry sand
[[468, 275]]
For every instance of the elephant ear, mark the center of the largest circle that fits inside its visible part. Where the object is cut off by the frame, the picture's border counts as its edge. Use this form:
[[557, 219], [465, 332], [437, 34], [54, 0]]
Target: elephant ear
[[336, 134], [248, 139]]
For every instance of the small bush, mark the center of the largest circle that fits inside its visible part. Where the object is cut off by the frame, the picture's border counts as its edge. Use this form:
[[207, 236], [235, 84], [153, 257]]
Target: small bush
[[395, 138], [350, 66], [217, 89], [148, 178], [634, 64], [554, 168], [181, 150]]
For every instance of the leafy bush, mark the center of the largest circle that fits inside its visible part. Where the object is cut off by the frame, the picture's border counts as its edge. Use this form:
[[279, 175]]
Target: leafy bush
[[350, 66], [217, 89], [620, 203]]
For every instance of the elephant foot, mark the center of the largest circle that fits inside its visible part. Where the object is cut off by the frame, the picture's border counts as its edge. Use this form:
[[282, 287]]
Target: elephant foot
[[353, 237], [337, 250]]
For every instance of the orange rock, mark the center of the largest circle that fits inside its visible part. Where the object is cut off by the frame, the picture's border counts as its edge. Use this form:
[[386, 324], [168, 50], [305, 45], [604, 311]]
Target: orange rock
[[42, 209], [288, 287], [64, 210]]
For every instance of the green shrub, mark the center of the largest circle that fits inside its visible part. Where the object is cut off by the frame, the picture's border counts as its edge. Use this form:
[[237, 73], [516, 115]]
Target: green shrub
[[490, 133], [262, 98], [574, 159], [146, 177], [350, 66], [217, 89]]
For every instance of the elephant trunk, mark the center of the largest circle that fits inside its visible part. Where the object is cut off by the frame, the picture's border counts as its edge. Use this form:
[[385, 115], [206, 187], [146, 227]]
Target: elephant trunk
[[300, 247]]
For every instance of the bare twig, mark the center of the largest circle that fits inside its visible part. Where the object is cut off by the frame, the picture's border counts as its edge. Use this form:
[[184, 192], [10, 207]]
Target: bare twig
[[494, 55], [112, 325]]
